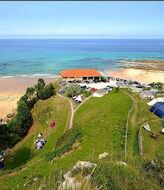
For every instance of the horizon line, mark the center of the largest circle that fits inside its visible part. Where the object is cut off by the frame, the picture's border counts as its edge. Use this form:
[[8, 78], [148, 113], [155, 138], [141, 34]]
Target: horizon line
[[81, 38]]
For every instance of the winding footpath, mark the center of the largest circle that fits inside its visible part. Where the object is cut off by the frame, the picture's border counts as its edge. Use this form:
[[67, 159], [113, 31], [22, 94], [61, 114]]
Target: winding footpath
[[70, 125], [127, 124]]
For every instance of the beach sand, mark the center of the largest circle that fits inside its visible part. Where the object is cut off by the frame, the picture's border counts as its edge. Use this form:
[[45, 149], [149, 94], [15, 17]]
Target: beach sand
[[143, 76], [11, 89]]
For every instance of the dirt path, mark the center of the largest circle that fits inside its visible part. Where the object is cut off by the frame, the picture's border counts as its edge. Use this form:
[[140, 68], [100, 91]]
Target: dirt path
[[74, 110], [127, 123], [70, 124]]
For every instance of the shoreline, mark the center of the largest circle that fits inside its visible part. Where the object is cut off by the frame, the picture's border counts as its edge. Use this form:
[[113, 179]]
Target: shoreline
[[12, 88], [143, 76]]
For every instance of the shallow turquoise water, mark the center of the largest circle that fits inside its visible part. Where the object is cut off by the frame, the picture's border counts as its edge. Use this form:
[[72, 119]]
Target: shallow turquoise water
[[49, 57]]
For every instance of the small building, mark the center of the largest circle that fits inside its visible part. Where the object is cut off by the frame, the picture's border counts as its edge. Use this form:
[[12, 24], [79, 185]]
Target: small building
[[158, 109], [80, 74], [146, 94]]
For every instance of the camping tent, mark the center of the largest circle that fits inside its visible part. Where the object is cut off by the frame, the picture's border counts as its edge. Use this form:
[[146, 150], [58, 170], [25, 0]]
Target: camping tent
[[155, 100], [100, 93], [78, 98], [146, 94], [158, 109]]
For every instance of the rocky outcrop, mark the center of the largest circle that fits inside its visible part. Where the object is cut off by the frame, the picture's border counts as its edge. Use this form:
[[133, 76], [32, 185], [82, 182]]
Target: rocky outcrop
[[82, 170]]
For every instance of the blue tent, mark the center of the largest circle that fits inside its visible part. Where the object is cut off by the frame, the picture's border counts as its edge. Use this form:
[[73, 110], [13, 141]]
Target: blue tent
[[2, 165], [158, 109]]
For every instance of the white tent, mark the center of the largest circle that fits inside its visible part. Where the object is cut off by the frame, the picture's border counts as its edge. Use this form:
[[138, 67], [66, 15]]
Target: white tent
[[162, 130], [160, 99], [100, 93], [146, 94], [155, 100], [147, 127], [78, 98]]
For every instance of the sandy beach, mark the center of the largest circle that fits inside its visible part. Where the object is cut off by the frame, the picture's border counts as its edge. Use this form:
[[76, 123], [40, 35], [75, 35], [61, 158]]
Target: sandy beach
[[141, 75], [11, 89]]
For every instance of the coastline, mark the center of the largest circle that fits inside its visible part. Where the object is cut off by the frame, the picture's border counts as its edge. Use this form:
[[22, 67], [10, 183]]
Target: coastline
[[141, 75], [12, 88]]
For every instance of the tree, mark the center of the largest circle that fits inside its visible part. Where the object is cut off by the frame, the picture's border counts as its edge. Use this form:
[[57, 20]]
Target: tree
[[39, 87], [73, 90], [47, 92], [11, 133]]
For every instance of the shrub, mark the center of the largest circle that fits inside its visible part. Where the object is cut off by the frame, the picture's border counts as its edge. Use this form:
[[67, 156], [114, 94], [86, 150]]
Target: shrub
[[73, 90], [116, 90], [87, 93], [47, 92]]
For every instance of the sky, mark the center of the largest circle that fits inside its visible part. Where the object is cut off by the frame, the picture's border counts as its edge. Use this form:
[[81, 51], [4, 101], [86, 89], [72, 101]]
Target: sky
[[82, 19]]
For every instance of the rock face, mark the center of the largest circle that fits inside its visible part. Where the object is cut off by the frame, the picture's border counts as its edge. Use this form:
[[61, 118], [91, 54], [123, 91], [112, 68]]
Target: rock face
[[83, 169], [103, 155]]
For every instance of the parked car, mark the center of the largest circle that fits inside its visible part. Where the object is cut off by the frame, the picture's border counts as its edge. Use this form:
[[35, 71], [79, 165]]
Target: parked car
[[93, 89], [83, 87]]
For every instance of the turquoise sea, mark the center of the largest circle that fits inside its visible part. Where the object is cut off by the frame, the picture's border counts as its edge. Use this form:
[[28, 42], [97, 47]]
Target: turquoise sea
[[49, 56]]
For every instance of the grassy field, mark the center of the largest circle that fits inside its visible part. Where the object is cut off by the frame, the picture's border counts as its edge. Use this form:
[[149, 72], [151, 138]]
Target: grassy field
[[140, 115], [25, 162], [102, 122]]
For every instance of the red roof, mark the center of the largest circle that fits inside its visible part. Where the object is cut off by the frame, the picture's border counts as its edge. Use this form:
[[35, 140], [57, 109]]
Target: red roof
[[80, 73]]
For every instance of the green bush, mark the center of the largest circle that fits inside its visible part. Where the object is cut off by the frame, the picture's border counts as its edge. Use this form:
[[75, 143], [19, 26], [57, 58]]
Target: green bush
[[87, 93], [73, 90], [47, 92], [159, 86]]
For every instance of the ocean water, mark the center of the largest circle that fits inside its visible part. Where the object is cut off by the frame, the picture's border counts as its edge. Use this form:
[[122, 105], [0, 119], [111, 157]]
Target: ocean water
[[48, 57]]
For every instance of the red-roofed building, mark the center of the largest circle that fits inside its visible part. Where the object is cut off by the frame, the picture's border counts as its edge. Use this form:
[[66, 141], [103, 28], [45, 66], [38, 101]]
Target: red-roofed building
[[80, 74]]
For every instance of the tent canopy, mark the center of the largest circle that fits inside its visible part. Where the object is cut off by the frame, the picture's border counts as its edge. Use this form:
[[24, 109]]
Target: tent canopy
[[155, 100], [158, 109], [78, 98]]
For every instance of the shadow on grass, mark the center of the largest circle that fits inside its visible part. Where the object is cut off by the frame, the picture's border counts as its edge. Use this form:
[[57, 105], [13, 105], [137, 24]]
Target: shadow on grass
[[18, 158]]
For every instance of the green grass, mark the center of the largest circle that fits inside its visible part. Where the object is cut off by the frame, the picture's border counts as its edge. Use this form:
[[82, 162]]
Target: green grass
[[56, 108], [141, 114], [102, 121], [102, 124], [116, 177]]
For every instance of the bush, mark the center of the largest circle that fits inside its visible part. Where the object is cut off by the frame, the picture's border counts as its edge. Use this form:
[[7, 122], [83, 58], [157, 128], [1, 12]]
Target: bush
[[159, 86], [116, 90], [47, 92], [87, 93], [73, 90]]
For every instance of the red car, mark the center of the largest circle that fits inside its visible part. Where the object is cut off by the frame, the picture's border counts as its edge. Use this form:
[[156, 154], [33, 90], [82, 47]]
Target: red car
[[93, 89]]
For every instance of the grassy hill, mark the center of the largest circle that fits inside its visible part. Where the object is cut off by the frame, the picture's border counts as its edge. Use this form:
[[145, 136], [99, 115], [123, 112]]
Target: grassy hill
[[25, 161], [103, 123]]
